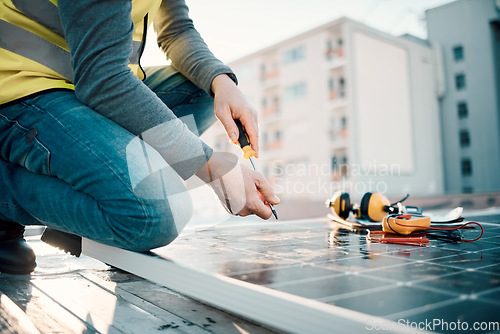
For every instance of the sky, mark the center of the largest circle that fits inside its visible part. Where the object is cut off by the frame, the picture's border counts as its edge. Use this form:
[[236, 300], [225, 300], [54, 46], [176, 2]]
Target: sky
[[235, 28]]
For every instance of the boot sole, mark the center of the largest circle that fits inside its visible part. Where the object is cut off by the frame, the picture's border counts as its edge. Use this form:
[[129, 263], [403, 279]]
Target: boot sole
[[70, 243], [17, 270]]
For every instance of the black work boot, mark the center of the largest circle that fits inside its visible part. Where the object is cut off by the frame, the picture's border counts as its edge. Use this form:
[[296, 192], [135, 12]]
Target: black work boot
[[16, 256]]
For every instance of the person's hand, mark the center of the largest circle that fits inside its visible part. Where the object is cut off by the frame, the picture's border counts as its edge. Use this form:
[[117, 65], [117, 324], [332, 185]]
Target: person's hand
[[231, 104], [241, 190]]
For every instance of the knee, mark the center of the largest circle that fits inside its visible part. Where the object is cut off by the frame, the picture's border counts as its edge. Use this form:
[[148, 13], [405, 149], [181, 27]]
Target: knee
[[165, 223], [159, 223], [159, 206], [166, 211]]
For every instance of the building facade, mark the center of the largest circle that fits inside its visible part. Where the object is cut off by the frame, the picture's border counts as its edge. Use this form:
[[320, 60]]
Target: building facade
[[344, 107], [468, 33]]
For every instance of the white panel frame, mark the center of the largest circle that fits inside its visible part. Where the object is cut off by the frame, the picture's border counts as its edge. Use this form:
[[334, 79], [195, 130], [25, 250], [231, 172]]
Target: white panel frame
[[275, 309]]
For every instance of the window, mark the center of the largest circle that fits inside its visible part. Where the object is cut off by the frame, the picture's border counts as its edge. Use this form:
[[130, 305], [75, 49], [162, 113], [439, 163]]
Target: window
[[467, 190], [329, 44], [264, 138], [276, 103], [296, 91], [277, 135], [294, 55], [331, 129], [462, 110], [458, 53], [340, 49], [460, 81], [466, 165], [331, 89], [332, 50], [332, 123], [342, 87], [343, 122], [329, 49], [343, 166], [331, 84], [333, 163], [269, 70], [339, 166], [464, 138], [270, 104]]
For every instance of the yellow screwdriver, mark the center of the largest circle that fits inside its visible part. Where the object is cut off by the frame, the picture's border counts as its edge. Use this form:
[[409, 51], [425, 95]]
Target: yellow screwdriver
[[249, 153]]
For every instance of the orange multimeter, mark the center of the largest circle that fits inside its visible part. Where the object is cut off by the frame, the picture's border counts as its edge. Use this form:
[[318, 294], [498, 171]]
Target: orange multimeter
[[405, 224]]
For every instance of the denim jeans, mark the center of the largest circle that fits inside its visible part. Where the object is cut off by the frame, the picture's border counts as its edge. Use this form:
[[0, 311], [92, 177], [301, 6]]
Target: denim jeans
[[68, 167]]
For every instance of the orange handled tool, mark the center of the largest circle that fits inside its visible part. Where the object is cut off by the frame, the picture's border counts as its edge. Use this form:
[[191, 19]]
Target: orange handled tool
[[248, 152]]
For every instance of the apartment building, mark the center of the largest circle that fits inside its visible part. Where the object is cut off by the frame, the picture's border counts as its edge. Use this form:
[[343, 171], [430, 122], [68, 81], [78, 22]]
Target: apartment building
[[344, 107], [468, 33]]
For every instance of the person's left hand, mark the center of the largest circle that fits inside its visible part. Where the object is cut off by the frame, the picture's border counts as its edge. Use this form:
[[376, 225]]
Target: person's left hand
[[231, 104]]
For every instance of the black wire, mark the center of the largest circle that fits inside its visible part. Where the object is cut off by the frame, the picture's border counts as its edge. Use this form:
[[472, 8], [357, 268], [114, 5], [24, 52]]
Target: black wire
[[402, 200]]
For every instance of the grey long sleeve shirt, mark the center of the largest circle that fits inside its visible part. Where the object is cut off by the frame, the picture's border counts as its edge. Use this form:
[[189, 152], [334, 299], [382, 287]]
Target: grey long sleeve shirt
[[99, 36]]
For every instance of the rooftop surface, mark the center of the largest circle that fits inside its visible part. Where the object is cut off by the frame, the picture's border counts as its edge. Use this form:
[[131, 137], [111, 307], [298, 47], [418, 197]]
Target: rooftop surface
[[313, 262], [67, 294]]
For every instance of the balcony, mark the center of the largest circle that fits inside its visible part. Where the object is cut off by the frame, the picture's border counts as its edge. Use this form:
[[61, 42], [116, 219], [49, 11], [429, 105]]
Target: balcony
[[335, 58], [337, 96], [332, 54], [274, 145], [269, 78], [269, 75], [272, 110], [338, 138]]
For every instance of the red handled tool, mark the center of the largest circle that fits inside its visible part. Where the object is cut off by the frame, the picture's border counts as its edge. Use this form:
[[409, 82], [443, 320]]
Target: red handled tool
[[416, 241]]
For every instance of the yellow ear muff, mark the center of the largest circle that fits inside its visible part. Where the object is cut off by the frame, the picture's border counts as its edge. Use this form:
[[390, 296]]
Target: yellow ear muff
[[341, 205], [373, 206]]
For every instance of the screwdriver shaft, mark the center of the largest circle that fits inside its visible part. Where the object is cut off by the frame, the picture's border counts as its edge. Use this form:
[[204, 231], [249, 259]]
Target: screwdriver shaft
[[253, 164]]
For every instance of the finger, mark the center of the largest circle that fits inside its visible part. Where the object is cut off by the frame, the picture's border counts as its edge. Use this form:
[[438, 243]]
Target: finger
[[227, 122], [255, 206], [265, 213], [255, 203], [266, 191], [258, 208]]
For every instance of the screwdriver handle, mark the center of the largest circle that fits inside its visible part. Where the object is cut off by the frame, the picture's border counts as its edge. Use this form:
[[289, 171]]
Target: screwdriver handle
[[243, 141]]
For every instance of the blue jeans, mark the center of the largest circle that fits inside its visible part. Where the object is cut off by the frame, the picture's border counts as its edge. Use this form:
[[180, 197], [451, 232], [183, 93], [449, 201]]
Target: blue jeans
[[68, 167]]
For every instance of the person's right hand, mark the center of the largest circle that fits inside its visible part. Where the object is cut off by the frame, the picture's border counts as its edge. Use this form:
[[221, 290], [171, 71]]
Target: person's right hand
[[231, 104], [241, 190]]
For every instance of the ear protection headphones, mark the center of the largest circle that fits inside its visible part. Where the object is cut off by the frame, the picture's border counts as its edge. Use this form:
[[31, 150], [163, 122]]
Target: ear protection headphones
[[373, 207]]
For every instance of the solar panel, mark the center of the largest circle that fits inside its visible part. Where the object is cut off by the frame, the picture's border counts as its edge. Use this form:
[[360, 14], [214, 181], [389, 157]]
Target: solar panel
[[319, 260], [436, 288]]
